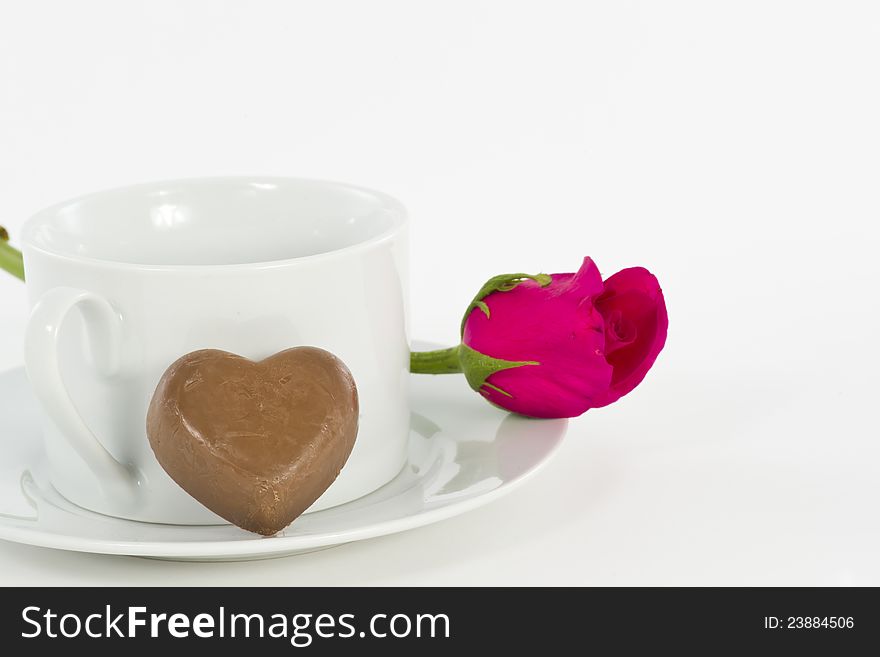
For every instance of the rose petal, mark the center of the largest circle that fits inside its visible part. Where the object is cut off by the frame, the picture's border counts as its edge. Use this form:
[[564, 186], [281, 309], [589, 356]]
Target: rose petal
[[636, 295]]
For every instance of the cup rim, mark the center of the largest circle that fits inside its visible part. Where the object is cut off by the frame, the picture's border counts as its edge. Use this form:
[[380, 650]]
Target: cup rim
[[399, 221]]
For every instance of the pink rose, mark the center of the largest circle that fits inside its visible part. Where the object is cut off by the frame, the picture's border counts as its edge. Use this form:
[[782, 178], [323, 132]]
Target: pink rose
[[559, 345]]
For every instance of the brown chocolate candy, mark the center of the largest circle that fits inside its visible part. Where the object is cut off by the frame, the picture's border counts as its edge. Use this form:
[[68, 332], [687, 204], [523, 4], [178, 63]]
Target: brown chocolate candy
[[255, 442]]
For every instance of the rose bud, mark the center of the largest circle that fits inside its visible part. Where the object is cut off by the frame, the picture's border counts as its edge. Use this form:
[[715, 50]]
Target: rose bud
[[552, 346]]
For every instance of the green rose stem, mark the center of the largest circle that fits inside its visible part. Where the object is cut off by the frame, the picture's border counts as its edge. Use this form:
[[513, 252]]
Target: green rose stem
[[439, 361], [10, 257]]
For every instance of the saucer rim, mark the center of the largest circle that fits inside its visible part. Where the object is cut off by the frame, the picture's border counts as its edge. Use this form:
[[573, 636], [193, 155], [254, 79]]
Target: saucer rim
[[267, 546]]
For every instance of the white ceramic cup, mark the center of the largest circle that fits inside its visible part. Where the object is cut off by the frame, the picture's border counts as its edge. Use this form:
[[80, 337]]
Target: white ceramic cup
[[126, 281]]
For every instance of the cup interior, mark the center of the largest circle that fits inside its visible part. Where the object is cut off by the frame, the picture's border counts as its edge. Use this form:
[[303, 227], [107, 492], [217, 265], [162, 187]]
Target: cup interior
[[215, 221]]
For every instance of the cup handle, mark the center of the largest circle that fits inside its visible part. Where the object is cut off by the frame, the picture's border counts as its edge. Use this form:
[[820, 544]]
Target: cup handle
[[104, 327]]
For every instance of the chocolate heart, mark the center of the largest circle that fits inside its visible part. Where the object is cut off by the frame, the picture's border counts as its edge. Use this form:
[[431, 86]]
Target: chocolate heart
[[255, 442]]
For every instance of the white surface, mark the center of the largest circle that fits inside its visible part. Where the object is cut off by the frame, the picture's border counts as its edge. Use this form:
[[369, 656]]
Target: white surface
[[112, 312], [461, 455], [729, 147]]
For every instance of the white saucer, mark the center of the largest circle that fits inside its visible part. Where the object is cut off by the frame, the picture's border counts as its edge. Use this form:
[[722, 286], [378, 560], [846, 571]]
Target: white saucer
[[463, 453]]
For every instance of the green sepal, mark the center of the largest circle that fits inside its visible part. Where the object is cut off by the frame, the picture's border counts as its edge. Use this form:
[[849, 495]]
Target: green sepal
[[478, 367], [500, 283]]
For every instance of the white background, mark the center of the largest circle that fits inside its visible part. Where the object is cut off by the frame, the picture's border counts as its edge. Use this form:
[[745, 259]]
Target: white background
[[731, 147]]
